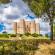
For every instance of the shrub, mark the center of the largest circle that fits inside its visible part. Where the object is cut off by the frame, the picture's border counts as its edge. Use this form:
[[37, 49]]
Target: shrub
[[13, 35], [40, 35], [27, 34], [20, 35], [46, 35], [27, 45], [35, 35]]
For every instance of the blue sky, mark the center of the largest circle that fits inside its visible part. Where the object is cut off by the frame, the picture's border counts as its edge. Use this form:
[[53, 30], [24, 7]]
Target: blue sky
[[1, 26], [14, 10]]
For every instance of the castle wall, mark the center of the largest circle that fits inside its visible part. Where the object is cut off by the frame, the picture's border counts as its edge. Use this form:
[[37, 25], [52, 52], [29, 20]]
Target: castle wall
[[32, 27], [37, 28], [26, 26], [20, 26], [15, 27]]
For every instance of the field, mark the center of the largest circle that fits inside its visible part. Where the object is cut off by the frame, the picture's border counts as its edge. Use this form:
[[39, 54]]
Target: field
[[26, 44], [27, 47]]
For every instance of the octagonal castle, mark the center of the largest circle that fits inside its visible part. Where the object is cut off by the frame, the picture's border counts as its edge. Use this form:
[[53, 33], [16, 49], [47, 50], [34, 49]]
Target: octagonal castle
[[24, 26]]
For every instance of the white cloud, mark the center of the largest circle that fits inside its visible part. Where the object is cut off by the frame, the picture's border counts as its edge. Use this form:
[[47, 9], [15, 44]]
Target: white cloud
[[8, 28], [8, 10], [2, 18], [11, 10]]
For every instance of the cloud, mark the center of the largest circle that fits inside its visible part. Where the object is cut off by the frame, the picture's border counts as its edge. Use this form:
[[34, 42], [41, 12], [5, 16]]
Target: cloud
[[15, 9], [8, 10], [14, 17], [1, 11], [23, 7], [2, 18], [8, 28], [11, 10]]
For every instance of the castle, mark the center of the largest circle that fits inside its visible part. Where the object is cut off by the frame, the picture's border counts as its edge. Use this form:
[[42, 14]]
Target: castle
[[23, 26]]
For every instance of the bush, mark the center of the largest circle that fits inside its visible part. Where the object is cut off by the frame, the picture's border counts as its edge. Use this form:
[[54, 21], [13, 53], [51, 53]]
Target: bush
[[40, 35], [27, 45], [46, 35], [27, 34], [21, 47], [20, 35], [35, 35], [12, 35]]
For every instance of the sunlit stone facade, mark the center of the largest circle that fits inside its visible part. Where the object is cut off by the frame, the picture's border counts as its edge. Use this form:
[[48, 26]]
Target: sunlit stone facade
[[24, 26]]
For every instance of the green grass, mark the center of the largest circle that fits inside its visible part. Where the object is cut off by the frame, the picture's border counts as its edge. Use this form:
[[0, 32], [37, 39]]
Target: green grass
[[4, 36]]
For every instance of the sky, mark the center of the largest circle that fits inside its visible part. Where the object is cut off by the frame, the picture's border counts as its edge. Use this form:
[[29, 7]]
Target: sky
[[13, 11]]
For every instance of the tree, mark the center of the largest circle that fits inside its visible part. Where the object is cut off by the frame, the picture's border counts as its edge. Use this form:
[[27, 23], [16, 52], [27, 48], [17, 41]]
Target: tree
[[40, 7], [5, 1]]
